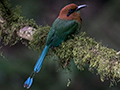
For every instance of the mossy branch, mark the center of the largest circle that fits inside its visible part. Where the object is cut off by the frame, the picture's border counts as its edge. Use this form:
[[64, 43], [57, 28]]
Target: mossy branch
[[81, 49]]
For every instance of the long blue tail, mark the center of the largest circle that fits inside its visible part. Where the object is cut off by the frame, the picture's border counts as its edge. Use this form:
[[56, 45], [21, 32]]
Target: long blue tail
[[40, 60], [37, 67]]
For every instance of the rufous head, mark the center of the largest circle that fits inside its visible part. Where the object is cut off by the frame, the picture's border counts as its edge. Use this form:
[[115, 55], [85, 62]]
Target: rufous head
[[71, 12]]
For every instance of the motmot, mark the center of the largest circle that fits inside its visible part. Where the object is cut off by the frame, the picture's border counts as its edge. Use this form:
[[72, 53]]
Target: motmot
[[67, 23]]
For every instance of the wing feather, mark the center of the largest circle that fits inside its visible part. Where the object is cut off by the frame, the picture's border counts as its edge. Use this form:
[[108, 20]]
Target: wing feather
[[60, 30]]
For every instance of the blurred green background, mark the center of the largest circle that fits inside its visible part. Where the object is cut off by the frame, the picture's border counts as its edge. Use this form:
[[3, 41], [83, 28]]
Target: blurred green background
[[101, 20]]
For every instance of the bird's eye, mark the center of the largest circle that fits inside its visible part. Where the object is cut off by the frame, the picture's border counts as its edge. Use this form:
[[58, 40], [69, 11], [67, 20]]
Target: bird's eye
[[70, 12]]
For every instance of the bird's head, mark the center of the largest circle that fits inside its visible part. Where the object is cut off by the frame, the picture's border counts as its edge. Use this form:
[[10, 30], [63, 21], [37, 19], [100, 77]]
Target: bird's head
[[71, 12]]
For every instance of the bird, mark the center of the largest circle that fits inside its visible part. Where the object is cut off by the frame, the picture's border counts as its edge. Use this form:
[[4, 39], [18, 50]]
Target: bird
[[66, 24]]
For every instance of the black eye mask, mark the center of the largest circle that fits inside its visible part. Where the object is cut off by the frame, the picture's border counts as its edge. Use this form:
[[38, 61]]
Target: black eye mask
[[71, 11]]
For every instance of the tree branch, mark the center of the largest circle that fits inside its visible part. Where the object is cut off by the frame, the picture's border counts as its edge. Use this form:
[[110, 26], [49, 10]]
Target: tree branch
[[81, 49], [1, 19], [26, 33]]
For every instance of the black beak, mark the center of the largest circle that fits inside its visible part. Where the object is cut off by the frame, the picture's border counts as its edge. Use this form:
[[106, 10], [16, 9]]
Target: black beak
[[80, 6]]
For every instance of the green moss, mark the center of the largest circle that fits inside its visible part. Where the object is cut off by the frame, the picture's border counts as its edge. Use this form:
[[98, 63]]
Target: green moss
[[39, 38], [86, 51], [81, 49], [13, 23]]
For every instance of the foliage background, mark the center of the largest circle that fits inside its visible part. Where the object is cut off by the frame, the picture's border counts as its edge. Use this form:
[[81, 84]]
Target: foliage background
[[100, 20]]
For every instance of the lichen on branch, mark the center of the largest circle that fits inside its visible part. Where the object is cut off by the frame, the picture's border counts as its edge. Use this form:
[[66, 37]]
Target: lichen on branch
[[85, 51], [11, 23], [81, 49]]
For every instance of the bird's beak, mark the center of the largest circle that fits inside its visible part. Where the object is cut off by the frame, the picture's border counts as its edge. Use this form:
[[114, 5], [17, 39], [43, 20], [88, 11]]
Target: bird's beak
[[80, 6]]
